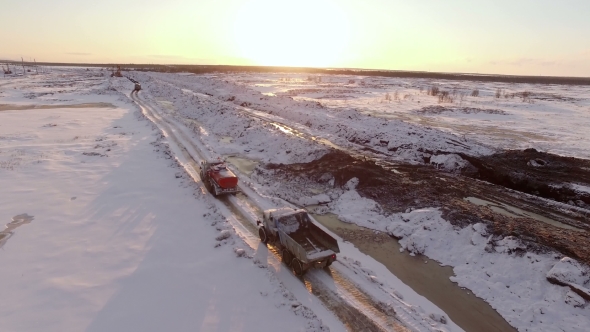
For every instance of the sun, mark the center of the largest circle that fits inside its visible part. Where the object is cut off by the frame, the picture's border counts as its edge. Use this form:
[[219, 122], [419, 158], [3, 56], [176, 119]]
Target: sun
[[280, 33]]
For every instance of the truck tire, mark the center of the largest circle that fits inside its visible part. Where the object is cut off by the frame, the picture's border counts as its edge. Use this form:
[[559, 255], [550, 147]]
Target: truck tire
[[211, 188], [263, 235], [297, 267], [287, 257]]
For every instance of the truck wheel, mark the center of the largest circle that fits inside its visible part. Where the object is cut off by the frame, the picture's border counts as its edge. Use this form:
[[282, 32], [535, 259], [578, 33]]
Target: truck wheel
[[211, 188], [328, 263], [297, 267], [287, 257], [262, 234]]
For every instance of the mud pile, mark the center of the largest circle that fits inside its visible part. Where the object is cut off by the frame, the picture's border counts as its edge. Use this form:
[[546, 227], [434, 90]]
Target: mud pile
[[400, 187], [537, 173]]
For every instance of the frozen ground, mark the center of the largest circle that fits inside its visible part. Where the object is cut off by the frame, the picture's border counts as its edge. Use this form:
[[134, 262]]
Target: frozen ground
[[234, 118], [493, 268], [107, 228], [104, 231], [552, 118]]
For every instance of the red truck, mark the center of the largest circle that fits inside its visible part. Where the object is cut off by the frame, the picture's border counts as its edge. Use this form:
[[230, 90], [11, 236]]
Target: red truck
[[218, 178]]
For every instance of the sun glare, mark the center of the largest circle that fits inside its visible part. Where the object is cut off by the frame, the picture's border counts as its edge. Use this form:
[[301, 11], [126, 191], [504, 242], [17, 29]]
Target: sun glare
[[302, 33]]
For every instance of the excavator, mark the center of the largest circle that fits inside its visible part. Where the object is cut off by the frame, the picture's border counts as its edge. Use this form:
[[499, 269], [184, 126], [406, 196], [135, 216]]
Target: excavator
[[117, 73]]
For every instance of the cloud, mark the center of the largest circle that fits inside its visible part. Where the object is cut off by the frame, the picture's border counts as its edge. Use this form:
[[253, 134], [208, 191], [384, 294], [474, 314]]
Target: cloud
[[78, 53]]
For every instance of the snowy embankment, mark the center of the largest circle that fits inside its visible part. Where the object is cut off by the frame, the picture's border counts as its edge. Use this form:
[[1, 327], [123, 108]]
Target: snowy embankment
[[343, 126], [550, 118], [497, 270], [226, 131], [104, 232], [216, 120]]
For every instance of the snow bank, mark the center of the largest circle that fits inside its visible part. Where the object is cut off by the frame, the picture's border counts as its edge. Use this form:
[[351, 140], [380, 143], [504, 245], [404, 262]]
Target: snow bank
[[569, 272], [449, 162], [108, 233], [345, 126], [498, 270]]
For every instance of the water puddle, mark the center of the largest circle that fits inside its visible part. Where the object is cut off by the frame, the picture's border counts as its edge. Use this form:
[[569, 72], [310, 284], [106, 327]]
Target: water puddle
[[8, 107], [424, 276], [512, 211], [17, 221], [225, 139], [244, 165], [166, 104], [287, 130], [294, 132]]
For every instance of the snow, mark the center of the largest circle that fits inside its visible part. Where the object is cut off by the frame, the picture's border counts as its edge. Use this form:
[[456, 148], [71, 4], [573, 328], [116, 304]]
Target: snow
[[573, 274], [495, 269], [450, 162], [552, 118], [102, 235], [580, 188], [486, 265], [314, 200], [345, 127], [107, 229]]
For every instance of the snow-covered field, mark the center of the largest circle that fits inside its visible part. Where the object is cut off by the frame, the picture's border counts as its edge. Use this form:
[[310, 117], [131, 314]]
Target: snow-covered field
[[552, 118], [109, 229], [515, 285], [116, 237], [246, 108]]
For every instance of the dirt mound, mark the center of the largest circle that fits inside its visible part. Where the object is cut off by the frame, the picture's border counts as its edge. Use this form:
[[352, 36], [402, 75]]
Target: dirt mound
[[399, 187], [536, 173]]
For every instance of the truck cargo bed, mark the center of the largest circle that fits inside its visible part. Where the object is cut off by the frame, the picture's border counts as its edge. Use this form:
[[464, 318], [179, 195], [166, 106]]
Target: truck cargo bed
[[311, 241]]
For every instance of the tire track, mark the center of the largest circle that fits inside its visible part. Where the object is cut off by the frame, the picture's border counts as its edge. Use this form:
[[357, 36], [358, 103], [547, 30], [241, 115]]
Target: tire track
[[353, 307]]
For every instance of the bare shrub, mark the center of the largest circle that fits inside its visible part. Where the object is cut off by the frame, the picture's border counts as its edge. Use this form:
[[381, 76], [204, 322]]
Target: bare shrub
[[445, 97], [475, 93], [498, 93], [461, 97], [387, 97], [396, 96], [433, 91]]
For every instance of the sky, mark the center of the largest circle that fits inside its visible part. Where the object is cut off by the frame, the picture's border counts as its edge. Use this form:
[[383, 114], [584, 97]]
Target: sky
[[524, 37]]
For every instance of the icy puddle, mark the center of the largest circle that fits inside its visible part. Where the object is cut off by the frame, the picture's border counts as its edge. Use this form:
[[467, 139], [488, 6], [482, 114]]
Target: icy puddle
[[512, 211], [9, 107], [17, 221], [225, 139], [166, 104], [428, 279], [245, 165]]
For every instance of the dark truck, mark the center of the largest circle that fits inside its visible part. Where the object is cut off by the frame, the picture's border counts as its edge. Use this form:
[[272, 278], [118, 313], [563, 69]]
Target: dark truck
[[302, 243]]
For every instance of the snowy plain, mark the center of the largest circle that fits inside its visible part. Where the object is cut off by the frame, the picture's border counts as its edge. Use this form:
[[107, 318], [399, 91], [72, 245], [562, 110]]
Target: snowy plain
[[116, 237], [515, 285], [551, 118], [116, 222]]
